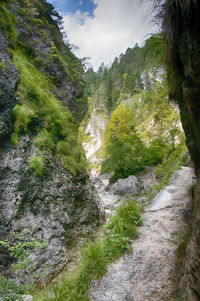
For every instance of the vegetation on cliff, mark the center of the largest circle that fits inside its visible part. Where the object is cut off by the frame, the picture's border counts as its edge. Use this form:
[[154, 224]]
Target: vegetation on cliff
[[42, 59], [43, 182], [143, 129]]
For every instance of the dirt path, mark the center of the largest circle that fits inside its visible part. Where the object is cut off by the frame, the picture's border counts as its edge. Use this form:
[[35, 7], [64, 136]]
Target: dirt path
[[148, 272]]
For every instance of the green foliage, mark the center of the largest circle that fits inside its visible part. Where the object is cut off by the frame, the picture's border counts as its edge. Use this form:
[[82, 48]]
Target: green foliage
[[3, 65], [37, 163], [127, 216], [155, 49], [40, 112], [171, 162], [39, 106], [158, 149], [23, 115], [97, 255], [44, 141], [8, 24], [10, 290], [125, 153], [144, 127], [19, 247], [109, 85], [183, 239]]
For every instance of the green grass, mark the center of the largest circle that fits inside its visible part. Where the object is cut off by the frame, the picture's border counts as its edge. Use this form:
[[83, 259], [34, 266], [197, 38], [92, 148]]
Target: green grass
[[37, 163], [164, 171], [8, 24], [109, 244], [3, 65], [170, 165], [183, 239], [41, 112]]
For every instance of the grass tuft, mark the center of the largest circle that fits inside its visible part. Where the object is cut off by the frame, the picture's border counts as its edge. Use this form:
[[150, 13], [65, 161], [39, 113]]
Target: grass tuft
[[37, 163]]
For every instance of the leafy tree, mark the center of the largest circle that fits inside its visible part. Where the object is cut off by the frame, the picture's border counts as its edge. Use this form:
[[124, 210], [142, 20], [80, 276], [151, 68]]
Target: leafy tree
[[125, 153]]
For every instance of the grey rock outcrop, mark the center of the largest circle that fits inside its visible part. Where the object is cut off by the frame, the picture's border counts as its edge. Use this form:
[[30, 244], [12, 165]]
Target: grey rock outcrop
[[181, 22], [128, 186], [56, 207], [8, 80]]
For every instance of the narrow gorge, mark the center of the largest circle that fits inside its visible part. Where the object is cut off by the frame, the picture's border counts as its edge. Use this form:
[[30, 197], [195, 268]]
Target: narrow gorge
[[99, 168]]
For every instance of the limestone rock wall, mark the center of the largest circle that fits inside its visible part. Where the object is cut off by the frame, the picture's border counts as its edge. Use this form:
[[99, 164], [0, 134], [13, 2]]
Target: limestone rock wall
[[57, 207], [181, 26]]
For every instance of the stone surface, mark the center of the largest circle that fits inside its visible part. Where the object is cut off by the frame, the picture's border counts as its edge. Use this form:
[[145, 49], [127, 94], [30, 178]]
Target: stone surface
[[189, 288], [181, 21], [128, 186], [95, 128], [149, 271], [56, 207], [8, 80], [147, 179], [27, 298]]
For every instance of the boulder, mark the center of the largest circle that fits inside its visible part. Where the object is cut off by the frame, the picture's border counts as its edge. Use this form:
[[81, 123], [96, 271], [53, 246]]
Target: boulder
[[128, 186]]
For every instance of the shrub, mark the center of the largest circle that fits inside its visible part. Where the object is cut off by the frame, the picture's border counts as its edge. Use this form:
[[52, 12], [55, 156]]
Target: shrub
[[19, 247]]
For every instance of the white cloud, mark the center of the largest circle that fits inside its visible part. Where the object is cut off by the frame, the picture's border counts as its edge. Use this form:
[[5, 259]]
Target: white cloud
[[116, 25]]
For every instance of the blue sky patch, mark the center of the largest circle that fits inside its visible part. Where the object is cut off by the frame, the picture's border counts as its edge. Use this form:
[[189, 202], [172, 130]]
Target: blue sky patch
[[71, 6]]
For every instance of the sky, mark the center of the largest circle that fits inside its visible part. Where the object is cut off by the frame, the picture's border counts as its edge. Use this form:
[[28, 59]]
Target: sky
[[103, 29]]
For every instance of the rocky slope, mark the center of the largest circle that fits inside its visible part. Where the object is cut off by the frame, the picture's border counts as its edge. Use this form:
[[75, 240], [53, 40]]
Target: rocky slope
[[41, 103], [149, 271]]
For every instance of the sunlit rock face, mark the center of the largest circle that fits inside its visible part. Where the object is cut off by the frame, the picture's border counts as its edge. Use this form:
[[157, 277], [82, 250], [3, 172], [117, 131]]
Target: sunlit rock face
[[57, 206], [181, 26]]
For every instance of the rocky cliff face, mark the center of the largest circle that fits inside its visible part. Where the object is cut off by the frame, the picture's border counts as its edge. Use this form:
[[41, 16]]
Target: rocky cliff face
[[40, 103], [94, 130], [181, 26], [8, 80]]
